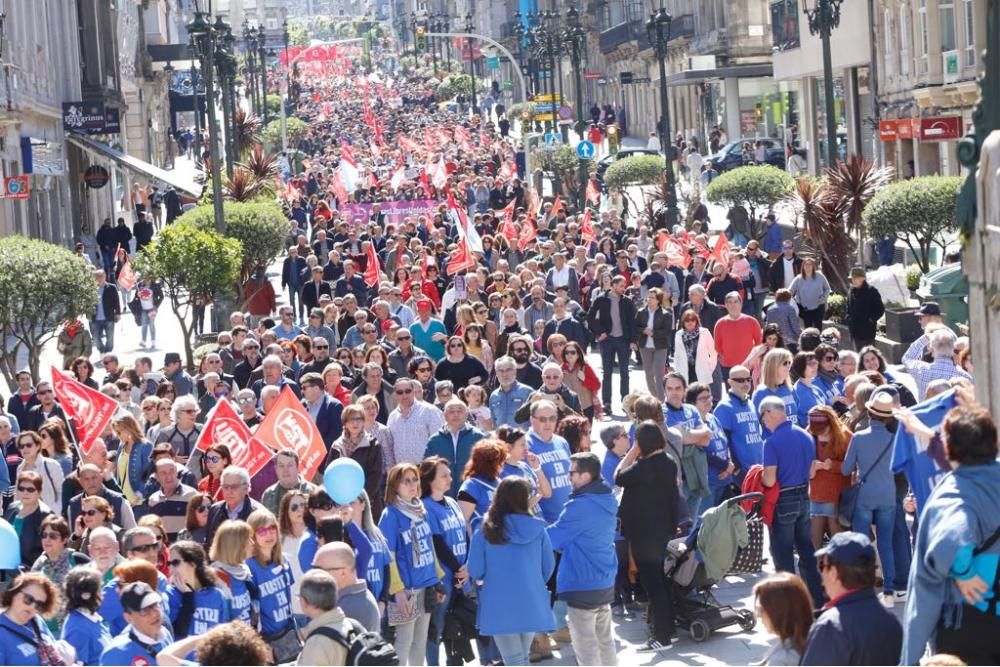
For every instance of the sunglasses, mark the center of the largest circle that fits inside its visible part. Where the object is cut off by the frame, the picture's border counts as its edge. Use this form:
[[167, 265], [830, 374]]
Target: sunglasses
[[829, 358], [741, 380], [398, 337], [42, 392], [247, 400], [323, 506], [295, 507], [454, 345], [25, 445], [214, 458], [144, 548], [321, 347], [89, 512], [401, 392], [27, 489], [32, 601], [203, 508], [51, 536], [426, 369]]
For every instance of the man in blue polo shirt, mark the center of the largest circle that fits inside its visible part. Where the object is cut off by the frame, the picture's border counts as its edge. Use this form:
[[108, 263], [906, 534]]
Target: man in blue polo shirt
[[788, 455], [737, 417], [144, 636]]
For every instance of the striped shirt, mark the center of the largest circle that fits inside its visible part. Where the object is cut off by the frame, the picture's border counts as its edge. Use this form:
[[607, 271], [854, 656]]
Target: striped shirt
[[925, 372], [172, 509], [411, 432]]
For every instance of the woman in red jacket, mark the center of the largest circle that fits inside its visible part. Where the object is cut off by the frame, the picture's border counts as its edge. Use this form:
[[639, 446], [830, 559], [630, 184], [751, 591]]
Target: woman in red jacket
[[581, 378]]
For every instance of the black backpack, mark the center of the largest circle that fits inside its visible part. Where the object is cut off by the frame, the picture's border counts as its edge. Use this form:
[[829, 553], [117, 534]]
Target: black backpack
[[363, 647]]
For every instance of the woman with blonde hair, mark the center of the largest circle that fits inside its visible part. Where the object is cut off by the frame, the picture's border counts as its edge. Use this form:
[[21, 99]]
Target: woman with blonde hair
[[272, 576], [232, 545], [826, 482], [775, 381], [134, 458]]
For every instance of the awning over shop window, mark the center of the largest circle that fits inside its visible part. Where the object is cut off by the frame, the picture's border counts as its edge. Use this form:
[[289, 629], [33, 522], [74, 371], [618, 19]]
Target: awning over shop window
[[137, 166]]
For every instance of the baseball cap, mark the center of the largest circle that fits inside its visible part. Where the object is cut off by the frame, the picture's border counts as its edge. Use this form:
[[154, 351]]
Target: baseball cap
[[424, 304], [929, 308], [847, 548], [138, 596]]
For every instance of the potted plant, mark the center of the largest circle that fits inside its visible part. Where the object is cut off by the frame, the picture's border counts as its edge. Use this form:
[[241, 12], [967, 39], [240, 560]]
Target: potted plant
[[836, 313], [913, 275], [901, 323]]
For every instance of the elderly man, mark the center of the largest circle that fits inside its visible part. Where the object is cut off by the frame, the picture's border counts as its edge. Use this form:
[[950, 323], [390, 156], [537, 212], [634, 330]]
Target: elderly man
[[562, 275], [171, 501], [736, 417], [251, 361], [412, 423], [942, 346], [91, 478], [323, 409], [709, 313], [788, 456], [351, 283], [552, 389], [537, 309], [428, 333], [353, 596], [508, 398], [183, 434], [286, 465], [454, 441], [273, 375], [145, 635], [235, 503], [399, 359], [564, 323], [328, 630]]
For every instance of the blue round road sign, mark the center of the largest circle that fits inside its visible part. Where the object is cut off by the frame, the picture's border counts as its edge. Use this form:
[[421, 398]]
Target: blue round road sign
[[585, 150]]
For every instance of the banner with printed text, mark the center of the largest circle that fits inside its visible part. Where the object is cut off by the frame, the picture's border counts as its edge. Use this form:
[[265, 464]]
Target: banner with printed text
[[90, 410], [395, 211]]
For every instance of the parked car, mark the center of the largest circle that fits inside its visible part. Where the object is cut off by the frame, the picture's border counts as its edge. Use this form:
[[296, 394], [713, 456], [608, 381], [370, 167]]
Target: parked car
[[605, 162], [730, 156]]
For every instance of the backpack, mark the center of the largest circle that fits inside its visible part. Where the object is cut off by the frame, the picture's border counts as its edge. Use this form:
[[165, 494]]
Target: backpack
[[363, 647]]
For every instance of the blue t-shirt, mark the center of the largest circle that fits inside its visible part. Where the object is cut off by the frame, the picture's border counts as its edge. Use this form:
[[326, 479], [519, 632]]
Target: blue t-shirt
[[481, 490], [522, 470], [792, 449], [88, 636], [111, 606], [412, 545], [739, 420], [274, 595], [211, 608], [554, 457], [805, 398], [241, 601], [125, 650], [924, 461], [785, 393], [446, 520], [686, 416], [377, 562], [827, 389], [717, 452]]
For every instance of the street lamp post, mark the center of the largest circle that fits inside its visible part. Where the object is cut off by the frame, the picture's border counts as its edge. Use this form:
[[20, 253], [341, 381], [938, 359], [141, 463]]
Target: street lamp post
[[413, 29], [285, 37], [262, 59], [220, 30], [250, 50], [573, 39], [446, 24], [658, 31], [469, 27], [823, 19], [201, 32], [432, 26]]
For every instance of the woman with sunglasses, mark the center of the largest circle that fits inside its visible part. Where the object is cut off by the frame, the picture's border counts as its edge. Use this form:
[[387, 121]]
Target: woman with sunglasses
[[134, 457], [57, 558], [272, 576], [321, 506], [580, 376], [194, 590], [217, 457], [29, 445], [775, 381], [487, 320], [421, 368], [26, 515], [95, 512], [24, 636], [460, 367], [196, 519], [291, 531], [357, 443]]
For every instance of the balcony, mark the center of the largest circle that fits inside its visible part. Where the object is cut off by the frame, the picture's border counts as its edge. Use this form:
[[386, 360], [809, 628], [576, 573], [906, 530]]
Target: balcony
[[622, 33], [681, 27]]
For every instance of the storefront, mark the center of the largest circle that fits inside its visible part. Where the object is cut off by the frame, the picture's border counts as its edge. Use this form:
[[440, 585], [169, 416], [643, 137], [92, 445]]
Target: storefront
[[923, 146]]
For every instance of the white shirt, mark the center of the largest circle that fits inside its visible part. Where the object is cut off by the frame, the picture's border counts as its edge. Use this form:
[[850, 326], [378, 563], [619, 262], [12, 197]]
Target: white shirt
[[789, 266], [560, 277], [649, 325]]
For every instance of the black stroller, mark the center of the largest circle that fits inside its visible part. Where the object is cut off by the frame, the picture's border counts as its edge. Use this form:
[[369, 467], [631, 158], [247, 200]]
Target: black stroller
[[695, 607]]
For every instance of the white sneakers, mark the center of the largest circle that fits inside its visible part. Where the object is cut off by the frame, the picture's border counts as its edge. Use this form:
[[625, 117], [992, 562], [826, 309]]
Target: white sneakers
[[888, 600]]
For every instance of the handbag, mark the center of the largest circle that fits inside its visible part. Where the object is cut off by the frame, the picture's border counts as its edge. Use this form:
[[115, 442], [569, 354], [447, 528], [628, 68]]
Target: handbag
[[285, 644], [848, 504]]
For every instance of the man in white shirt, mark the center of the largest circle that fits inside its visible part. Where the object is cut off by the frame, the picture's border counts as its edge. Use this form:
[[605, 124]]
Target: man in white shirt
[[412, 423]]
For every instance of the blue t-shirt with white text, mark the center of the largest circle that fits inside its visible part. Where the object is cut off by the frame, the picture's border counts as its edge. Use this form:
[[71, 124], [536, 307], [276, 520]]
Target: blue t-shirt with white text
[[738, 419], [554, 457]]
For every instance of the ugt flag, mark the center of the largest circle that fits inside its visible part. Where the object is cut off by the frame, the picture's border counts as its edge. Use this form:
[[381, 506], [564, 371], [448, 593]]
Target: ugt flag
[[225, 427], [90, 410], [288, 426]]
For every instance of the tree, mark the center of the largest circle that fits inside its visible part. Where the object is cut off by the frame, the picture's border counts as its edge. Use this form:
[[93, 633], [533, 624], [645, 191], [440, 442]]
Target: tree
[[247, 132], [193, 265], [41, 286], [272, 102], [751, 187], [296, 129], [822, 214], [637, 170], [920, 210], [453, 86], [564, 166], [853, 183]]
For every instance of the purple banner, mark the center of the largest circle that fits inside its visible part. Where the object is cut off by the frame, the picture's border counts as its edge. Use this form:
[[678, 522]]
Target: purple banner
[[395, 211]]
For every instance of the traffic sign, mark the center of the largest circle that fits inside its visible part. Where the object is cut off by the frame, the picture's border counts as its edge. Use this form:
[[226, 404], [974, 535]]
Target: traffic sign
[[493, 62], [565, 112], [585, 150]]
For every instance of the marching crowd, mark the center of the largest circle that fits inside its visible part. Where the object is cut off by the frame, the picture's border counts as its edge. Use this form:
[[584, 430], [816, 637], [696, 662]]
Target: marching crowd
[[446, 353]]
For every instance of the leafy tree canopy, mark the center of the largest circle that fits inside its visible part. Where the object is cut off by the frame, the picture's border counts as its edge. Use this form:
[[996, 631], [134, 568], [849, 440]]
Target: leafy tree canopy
[[636, 170]]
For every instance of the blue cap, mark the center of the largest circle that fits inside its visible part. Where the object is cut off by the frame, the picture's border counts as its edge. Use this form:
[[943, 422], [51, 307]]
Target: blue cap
[[847, 548]]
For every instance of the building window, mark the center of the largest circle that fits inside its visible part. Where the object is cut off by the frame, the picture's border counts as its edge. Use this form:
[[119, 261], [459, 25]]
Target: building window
[[616, 13], [970, 33], [946, 15], [905, 40], [889, 30], [634, 11], [924, 45], [785, 24]]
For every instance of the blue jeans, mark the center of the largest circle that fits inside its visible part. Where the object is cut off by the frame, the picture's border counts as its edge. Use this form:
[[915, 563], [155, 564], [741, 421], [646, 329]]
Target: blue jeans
[[434, 632], [884, 518], [148, 324], [103, 332], [610, 348], [295, 300], [514, 648], [790, 532]]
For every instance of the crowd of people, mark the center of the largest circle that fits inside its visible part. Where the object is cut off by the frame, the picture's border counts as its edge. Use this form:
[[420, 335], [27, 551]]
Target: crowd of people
[[453, 355]]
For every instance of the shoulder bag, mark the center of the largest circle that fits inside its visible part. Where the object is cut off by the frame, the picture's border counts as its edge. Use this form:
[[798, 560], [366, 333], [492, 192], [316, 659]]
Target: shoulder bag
[[849, 496]]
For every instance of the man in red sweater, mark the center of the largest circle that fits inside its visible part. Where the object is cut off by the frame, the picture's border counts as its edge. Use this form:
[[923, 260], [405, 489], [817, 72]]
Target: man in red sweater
[[735, 335]]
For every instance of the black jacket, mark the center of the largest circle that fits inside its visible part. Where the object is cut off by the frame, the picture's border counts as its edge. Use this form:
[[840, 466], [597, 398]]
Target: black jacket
[[218, 513], [310, 299], [649, 505], [710, 313], [31, 538], [857, 630], [290, 270], [112, 304], [663, 328], [599, 317], [864, 308], [143, 231], [243, 370], [35, 417], [776, 274], [569, 327]]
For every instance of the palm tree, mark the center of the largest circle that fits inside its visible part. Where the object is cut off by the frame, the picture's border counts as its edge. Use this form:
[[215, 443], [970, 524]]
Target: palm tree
[[853, 183], [823, 230], [247, 131]]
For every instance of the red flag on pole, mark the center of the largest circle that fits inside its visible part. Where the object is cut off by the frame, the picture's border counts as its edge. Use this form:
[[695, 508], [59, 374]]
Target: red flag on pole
[[90, 410], [528, 233], [587, 229], [461, 260], [225, 427], [372, 269], [126, 277], [720, 252], [288, 427], [677, 254], [557, 206]]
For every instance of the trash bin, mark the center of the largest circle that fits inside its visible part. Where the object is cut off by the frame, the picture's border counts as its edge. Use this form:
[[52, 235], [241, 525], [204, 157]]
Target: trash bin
[[949, 287]]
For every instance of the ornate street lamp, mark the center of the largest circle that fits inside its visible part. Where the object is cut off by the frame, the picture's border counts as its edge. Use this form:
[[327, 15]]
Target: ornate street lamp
[[262, 54], [469, 27], [223, 39], [658, 31], [823, 19], [573, 38], [202, 39], [446, 24]]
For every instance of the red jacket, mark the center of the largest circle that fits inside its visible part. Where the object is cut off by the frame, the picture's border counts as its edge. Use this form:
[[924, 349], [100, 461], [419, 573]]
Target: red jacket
[[752, 484]]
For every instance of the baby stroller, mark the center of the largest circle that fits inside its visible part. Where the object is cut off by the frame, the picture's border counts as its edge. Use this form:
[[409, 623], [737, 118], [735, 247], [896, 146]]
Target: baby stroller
[[695, 607]]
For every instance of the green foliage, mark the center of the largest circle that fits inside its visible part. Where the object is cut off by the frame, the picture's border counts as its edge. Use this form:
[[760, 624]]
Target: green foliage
[[273, 104], [751, 187], [836, 307], [41, 286], [261, 230], [194, 265], [524, 111], [564, 165], [295, 127], [913, 275], [453, 86], [636, 170], [921, 211]]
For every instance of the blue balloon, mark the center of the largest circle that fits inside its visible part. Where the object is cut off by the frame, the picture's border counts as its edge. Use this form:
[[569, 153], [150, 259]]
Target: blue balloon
[[344, 480], [10, 547]]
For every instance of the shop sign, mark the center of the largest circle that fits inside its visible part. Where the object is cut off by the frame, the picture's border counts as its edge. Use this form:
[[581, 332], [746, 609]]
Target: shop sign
[[941, 128], [904, 128], [16, 187], [90, 117], [748, 122], [887, 129], [593, 75], [96, 176]]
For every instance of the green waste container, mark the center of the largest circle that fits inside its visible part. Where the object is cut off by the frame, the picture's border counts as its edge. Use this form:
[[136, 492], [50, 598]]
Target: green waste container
[[949, 287]]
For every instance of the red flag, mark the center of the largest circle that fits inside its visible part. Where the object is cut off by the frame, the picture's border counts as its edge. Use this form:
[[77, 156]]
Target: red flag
[[288, 427], [557, 206], [372, 269], [528, 233], [720, 252], [127, 277], [701, 248], [225, 427], [507, 224], [508, 170], [587, 228], [593, 193], [90, 410], [677, 254], [372, 180], [461, 260], [338, 188], [423, 180]]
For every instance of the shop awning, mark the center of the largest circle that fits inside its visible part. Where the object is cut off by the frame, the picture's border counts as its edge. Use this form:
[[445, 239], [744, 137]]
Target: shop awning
[[137, 166], [698, 76]]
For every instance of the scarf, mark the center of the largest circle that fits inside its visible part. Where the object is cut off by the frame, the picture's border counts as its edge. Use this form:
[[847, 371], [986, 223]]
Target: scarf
[[690, 340], [347, 446], [414, 510], [830, 377], [72, 328]]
